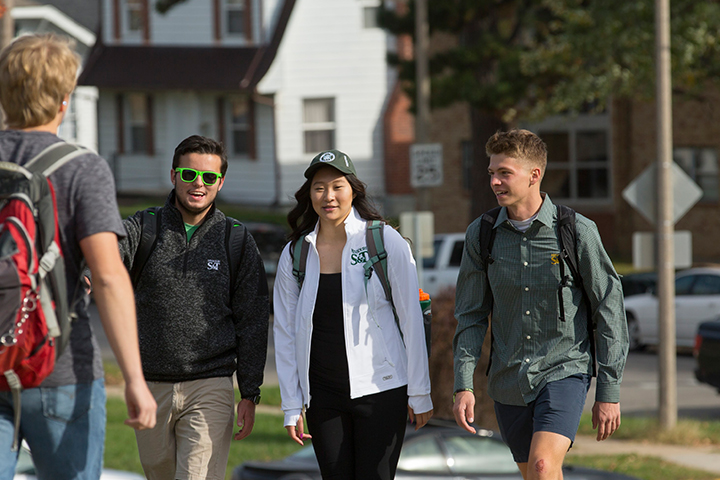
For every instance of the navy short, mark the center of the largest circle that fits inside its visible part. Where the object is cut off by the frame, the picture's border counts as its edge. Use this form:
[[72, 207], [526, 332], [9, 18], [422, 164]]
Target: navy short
[[556, 409]]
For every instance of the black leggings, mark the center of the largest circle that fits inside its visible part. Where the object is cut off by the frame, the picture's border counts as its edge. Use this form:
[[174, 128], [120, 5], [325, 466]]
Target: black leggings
[[358, 439]]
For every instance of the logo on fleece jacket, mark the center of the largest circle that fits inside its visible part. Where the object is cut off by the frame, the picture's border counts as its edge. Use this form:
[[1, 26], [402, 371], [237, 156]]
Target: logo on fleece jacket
[[213, 264]]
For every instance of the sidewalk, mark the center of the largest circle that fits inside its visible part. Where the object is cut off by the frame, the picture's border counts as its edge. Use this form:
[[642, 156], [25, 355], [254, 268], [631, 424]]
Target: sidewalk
[[704, 457]]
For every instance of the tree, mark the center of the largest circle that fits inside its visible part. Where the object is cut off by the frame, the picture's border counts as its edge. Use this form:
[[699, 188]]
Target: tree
[[527, 59]]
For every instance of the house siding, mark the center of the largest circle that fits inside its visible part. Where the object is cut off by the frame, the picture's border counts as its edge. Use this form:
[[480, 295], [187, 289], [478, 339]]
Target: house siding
[[326, 53]]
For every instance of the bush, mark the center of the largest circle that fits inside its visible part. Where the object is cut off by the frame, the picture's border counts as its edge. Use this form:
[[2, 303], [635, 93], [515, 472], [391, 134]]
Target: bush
[[441, 364]]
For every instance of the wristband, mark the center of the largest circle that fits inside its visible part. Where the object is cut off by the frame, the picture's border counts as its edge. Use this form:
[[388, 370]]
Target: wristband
[[461, 390]]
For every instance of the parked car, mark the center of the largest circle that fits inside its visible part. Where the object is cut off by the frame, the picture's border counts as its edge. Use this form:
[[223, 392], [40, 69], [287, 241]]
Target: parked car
[[25, 469], [707, 353], [441, 270], [637, 283], [270, 239], [697, 299], [439, 450]]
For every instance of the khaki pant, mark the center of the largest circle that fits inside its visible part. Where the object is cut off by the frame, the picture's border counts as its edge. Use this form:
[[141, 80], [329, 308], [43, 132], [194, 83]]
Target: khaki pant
[[191, 440]]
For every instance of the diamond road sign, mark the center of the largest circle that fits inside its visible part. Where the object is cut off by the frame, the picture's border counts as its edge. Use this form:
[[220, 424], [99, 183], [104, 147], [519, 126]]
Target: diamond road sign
[[641, 193]]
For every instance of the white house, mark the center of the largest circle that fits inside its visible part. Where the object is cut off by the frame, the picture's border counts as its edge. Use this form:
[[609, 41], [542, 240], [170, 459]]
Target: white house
[[275, 80], [72, 20]]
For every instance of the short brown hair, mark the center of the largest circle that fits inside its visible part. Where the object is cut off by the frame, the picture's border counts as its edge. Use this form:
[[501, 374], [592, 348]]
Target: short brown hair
[[36, 73], [522, 145]]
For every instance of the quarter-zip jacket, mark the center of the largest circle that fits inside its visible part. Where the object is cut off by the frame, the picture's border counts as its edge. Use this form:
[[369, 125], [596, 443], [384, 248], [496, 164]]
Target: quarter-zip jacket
[[190, 326], [377, 359]]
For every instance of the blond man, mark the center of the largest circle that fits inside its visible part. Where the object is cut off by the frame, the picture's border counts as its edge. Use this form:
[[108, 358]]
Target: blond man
[[63, 420], [541, 358]]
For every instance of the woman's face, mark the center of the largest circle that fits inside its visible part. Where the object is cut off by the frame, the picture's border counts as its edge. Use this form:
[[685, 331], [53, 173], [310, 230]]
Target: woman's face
[[331, 195]]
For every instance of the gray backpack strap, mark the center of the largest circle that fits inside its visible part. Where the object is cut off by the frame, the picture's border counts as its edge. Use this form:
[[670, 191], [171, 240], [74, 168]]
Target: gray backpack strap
[[300, 254], [54, 157], [374, 239]]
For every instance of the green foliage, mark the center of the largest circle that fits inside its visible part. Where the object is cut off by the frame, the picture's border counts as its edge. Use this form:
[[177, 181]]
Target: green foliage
[[533, 58]]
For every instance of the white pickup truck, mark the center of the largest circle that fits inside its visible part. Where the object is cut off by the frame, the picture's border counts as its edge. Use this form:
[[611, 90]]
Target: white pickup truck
[[441, 270]]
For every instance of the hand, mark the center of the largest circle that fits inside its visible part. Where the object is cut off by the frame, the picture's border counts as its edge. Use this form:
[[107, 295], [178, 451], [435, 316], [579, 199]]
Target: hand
[[296, 432], [422, 418], [245, 418], [141, 406], [464, 409], [606, 418]]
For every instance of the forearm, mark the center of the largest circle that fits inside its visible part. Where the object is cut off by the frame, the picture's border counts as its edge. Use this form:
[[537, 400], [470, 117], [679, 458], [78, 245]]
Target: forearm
[[115, 301]]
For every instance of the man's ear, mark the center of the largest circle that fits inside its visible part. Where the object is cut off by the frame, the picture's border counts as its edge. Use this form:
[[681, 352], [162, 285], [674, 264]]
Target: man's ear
[[535, 176]]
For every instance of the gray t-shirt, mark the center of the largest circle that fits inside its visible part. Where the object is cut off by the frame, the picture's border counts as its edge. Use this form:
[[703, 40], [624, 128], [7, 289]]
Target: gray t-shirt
[[86, 204]]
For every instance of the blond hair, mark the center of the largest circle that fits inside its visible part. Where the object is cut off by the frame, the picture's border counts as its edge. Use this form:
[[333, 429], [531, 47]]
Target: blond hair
[[36, 73], [522, 145]]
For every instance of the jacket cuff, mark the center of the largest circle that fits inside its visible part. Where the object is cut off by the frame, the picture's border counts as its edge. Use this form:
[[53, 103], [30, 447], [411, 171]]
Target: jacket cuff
[[292, 417], [607, 392], [420, 403]]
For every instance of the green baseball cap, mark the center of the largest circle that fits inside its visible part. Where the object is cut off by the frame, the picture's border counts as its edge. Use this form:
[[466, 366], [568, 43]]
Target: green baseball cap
[[332, 158]]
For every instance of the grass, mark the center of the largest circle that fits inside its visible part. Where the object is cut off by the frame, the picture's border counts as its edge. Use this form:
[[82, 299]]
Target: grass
[[688, 432], [646, 468], [244, 214]]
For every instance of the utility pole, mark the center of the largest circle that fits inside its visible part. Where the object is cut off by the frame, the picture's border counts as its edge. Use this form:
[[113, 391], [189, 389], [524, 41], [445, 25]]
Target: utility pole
[[665, 225], [422, 81]]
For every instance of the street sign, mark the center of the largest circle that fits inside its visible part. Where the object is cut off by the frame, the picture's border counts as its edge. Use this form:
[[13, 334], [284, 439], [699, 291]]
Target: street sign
[[640, 193], [426, 167]]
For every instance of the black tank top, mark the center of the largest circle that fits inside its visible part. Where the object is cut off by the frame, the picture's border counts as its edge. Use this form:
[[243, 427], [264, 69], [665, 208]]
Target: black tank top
[[328, 358]]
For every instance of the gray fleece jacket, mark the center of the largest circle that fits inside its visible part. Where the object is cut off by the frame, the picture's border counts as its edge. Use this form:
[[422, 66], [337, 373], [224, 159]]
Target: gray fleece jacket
[[189, 327]]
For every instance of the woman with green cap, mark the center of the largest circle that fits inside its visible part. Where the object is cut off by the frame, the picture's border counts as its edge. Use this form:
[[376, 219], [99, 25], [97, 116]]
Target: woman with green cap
[[340, 354]]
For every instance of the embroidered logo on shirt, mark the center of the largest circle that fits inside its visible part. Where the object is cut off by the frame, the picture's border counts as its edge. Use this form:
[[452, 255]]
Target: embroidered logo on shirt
[[555, 259], [387, 377], [358, 256], [213, 264]]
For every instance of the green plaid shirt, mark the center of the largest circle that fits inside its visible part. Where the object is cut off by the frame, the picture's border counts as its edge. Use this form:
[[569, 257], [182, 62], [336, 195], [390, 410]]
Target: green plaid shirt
[[531, 346]]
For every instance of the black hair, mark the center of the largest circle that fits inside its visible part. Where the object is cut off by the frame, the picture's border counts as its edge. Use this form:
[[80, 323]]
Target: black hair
[[200, 144]]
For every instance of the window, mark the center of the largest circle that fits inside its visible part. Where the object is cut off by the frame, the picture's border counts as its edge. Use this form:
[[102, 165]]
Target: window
[[239, 126], [707, 285], [370, 17], [134, 11], [578, 164], [456, 255], [701, 164], [139, 123], [319, 124], [235, 17]]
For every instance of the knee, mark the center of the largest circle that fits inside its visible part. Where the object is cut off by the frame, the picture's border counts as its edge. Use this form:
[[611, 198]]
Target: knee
[[543, 468]]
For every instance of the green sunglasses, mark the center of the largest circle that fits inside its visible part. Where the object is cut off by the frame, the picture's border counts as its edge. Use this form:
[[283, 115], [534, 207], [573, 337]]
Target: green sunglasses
[[189, 175]]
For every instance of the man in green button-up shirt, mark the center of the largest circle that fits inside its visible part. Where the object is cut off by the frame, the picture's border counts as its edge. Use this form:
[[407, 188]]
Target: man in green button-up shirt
[[532, 346]]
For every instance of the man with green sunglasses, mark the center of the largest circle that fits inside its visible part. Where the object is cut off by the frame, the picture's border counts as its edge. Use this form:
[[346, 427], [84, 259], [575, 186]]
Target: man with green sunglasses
[[200, 318]]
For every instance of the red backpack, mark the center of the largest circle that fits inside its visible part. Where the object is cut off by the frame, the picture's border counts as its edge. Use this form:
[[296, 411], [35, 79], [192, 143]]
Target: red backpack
[[34, 315]]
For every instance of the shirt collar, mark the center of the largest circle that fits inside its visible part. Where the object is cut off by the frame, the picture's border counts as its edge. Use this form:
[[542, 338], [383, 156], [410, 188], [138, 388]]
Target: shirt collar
[[546, 215], [354, 223]]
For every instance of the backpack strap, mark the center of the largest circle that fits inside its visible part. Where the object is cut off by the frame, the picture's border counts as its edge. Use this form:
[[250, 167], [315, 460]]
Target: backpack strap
[[487, 239], [375, 241], [567, 237], [487, 235], [300, 254], [54, 157], [235, 238], [150, 220]]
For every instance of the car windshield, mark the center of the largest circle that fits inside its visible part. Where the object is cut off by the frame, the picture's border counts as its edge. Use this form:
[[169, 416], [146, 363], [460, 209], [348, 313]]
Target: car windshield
[[463, 454]]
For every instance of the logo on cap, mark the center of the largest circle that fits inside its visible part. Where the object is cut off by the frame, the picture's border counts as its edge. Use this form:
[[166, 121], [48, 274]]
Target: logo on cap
[[327, 157]]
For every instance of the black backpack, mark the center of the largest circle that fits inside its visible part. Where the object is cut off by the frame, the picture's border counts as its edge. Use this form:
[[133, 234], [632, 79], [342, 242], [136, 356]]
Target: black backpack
[[235, 239], [567, 237]]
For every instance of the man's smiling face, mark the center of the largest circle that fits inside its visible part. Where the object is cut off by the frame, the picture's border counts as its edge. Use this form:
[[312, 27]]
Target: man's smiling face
[[194, 198]]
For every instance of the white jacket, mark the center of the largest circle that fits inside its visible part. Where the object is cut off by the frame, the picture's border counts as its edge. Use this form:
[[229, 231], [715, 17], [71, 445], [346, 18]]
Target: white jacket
[[377, 359]]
